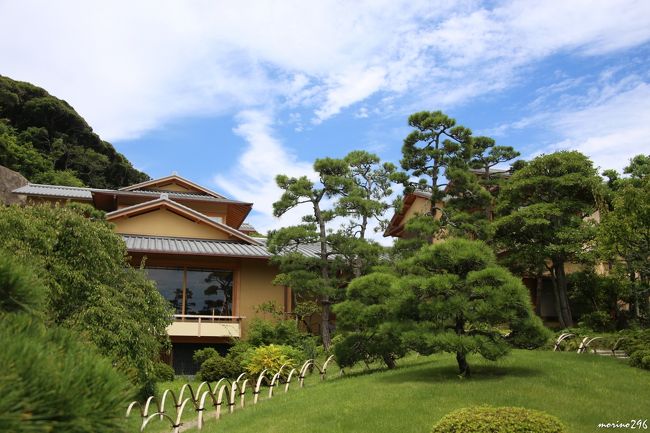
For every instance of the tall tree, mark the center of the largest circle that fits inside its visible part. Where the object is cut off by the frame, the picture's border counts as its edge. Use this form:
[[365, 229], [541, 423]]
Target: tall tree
[[624, 232], [546, 203], [333, 177]]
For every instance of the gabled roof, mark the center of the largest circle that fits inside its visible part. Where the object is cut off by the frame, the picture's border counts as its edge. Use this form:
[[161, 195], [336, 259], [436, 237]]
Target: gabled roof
[[174, 178], [165, 202]]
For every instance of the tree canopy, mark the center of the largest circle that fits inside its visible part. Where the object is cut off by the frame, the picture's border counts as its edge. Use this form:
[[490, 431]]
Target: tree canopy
[[544, 208], [91, 288], [47, 141]]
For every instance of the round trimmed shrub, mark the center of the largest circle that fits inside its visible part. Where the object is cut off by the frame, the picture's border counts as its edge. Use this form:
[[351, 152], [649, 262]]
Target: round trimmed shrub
[[218, 367], [163, 372], [487, 419]]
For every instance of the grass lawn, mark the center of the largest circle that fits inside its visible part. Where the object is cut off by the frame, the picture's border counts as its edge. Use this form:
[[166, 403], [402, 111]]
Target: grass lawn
[[581, 390]]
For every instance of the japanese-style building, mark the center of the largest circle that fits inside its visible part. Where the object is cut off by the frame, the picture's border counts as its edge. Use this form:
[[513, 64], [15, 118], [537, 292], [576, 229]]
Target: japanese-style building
[[198, 248]]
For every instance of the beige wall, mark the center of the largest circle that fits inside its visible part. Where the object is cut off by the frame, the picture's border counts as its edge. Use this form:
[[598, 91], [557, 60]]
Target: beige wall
[[256, 287], [165, 223]]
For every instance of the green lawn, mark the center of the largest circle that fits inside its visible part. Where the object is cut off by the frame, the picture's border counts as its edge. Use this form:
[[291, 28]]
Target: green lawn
[[581, 390]]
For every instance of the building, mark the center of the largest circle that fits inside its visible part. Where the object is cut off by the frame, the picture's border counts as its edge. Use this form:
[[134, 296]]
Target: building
[[196, 245]]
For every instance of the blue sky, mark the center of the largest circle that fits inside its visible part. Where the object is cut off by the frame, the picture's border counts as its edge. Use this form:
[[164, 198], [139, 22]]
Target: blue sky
[[229, 94]]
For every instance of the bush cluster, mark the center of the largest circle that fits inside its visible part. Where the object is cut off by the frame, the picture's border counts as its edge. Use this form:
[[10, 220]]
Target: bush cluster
[[486, 419], [272, 358], [163, 372]]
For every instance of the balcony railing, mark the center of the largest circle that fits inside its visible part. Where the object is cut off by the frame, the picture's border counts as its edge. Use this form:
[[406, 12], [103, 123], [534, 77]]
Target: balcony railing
[[202, 325]]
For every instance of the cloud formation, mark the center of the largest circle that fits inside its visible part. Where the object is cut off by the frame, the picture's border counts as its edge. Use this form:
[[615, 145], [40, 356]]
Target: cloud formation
[[130, 67]]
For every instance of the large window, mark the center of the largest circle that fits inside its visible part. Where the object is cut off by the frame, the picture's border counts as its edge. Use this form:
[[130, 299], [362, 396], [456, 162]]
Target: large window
[[193, 291], [209, 292]]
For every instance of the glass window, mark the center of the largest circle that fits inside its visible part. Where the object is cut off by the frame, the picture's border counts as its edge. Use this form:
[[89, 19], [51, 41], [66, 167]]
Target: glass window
[[209, 292], [170, 285]]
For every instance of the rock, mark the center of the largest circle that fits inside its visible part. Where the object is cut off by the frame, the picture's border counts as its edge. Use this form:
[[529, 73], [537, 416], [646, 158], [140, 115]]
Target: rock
[[10, 180]]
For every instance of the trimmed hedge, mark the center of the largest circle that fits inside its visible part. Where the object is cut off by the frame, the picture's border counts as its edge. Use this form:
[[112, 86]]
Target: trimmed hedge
[[487, 419]]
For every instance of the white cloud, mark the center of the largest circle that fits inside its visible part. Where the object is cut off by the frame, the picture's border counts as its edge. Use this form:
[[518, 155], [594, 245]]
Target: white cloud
[[611, 130], [129, 67], [252, 179]]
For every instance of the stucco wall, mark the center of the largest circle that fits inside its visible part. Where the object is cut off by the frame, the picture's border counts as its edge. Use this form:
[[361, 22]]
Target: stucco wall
[[165, 223], [256, 287]]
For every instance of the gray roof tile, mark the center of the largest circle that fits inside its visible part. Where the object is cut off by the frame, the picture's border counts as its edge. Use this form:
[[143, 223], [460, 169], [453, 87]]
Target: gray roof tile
[[56, 191], [169, 245]]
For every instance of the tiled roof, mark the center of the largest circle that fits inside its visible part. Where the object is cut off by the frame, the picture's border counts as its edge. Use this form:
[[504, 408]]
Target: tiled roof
[[86, 193], [57, 191], [180, 195], [169, 245]]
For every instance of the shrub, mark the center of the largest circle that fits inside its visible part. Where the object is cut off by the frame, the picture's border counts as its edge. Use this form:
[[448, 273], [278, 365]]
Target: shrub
[[637, 345], [163, 372], [272, 358], [285, 332], [202, 355], [486, 419], [217, 367], [599, 321], [641, 359], [52, 381]]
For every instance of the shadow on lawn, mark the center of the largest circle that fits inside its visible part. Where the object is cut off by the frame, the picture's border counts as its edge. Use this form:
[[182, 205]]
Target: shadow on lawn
[[448, 373]]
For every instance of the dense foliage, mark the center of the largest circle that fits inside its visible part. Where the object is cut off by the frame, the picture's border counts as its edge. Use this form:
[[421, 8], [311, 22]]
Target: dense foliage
[[272, 358], [91, 289], [456, 299], [486, 419], [50, 380], [45, 139], [367, 320], [544, 208]]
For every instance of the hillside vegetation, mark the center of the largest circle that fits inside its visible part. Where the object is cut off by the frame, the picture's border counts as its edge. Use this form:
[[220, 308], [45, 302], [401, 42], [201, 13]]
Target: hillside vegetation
[[47, 141]]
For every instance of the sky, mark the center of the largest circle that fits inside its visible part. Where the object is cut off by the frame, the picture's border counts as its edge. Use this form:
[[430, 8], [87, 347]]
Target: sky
[[230, 94]]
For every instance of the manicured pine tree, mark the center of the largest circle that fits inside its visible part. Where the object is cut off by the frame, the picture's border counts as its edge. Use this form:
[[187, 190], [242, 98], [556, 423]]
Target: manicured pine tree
[[455, 298]]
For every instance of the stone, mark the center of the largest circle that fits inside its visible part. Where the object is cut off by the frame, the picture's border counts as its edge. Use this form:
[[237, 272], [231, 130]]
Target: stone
[[9, 181]]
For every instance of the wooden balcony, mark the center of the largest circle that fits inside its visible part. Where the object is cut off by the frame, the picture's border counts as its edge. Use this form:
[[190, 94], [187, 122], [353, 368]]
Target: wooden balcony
[[194, 325]]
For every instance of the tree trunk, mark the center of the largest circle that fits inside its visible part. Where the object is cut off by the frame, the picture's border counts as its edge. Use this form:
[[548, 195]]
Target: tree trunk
[[556, 298], [325, 323], [389, 361], [463, 366], [560, 276], [358, 262], [325, 301], [538, 295]]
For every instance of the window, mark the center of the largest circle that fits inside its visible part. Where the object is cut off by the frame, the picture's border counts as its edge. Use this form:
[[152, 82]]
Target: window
[[194, 291], [170, 285], [209, 292]]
